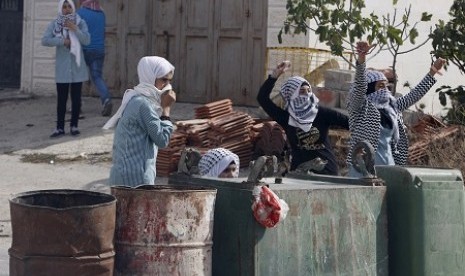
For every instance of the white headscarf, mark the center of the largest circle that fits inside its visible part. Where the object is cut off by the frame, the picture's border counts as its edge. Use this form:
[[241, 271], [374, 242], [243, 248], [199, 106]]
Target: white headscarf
[[302, 109], [215, 161], [149, 69], [61, 31]]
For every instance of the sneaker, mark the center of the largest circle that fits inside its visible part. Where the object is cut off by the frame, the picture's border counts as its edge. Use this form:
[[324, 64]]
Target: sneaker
[[107, 107], [57, 133], [75, 131]]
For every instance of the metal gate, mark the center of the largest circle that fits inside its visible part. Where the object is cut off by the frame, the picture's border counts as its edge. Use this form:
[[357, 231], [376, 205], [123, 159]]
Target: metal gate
[[11, 30]]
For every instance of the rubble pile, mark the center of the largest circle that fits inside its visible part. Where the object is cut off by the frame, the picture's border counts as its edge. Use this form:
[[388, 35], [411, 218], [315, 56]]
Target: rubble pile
[[429, 131]]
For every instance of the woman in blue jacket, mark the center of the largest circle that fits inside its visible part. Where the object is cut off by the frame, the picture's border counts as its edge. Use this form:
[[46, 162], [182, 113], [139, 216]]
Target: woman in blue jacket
[[67, 33]]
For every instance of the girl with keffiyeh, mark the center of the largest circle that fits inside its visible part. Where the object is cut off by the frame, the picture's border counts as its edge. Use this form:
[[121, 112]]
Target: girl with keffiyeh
[[305, 122], [219, 162], [376, 116], [67, 33], [142, 124]]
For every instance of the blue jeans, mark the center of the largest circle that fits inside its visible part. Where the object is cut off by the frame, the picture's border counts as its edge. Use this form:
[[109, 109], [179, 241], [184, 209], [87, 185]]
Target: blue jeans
[[94, 59]]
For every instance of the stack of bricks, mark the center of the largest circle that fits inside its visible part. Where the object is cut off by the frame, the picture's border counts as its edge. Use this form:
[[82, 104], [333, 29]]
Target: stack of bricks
[[214, 109], [196, 131], [168, 158], [233, 131], [216, 125]]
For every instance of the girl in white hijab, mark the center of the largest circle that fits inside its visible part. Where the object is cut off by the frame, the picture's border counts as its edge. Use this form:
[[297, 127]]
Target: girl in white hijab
[[142, 124], [62, 29], [66, 34]]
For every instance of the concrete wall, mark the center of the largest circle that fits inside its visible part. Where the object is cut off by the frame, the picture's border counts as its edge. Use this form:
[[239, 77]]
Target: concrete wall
[[276, 15], [38, 62]]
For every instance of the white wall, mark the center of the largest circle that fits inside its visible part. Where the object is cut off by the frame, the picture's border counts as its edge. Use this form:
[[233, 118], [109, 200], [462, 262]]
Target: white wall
[[410, 67], [276, 15], [38, 62]]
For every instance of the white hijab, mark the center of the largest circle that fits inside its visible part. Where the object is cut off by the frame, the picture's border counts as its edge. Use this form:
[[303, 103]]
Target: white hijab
[[61, 31], [149, 69]]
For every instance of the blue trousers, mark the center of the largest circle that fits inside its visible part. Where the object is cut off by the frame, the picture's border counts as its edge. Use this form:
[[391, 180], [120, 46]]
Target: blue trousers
[[94, 59]]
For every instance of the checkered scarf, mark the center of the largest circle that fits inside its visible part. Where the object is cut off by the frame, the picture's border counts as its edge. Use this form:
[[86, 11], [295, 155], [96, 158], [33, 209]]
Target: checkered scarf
[[215, 161], [382, 99], [302, 109], [61, 31], [374, 76]]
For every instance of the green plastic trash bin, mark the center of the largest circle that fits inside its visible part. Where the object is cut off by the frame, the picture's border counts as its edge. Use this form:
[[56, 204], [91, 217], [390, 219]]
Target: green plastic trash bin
[[330, 229], [425, 220]]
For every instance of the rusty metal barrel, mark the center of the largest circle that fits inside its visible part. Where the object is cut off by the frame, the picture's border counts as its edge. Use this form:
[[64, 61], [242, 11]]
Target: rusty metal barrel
[[62, 232], [164, 230]]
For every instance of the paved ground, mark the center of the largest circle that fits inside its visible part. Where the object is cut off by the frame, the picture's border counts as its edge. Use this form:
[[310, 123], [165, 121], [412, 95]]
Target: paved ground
[[31, 161]]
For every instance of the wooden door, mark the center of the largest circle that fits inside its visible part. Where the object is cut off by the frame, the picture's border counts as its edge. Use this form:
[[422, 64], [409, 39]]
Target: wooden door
[[217, 46], [126, 41], [112, 70], [135, 38], [164, 37], [240, 50], [230, 50], [256, 50], [196, 51]]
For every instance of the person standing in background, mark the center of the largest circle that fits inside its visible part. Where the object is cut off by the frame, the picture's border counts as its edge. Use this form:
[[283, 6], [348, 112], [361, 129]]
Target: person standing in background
[[67, 33], [142, 124], [94, 53]]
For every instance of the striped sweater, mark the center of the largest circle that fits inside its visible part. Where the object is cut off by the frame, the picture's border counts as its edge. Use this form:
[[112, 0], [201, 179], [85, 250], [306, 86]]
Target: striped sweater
[[138, 135], [365, 118]]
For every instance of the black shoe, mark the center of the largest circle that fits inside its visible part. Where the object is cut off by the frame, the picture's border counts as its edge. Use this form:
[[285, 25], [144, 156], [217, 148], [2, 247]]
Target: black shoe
[[75, 131], [107, 107], [57, 133]]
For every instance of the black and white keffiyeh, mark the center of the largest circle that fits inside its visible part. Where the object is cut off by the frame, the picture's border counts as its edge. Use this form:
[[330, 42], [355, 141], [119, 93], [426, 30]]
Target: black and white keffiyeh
[[382, 99], [215, 161], [61, 31], [374, 76], [302, 109]]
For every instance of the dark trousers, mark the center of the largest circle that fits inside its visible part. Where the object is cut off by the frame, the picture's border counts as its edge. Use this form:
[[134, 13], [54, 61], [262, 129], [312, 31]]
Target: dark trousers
[[63, 90]]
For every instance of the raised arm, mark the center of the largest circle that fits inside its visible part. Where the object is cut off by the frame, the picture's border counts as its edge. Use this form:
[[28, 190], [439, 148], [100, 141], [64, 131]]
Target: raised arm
[[263, 97], [357, 94], [422, 88]]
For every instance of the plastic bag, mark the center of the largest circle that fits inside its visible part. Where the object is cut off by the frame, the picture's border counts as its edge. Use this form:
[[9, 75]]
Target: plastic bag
[[268, 209]]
